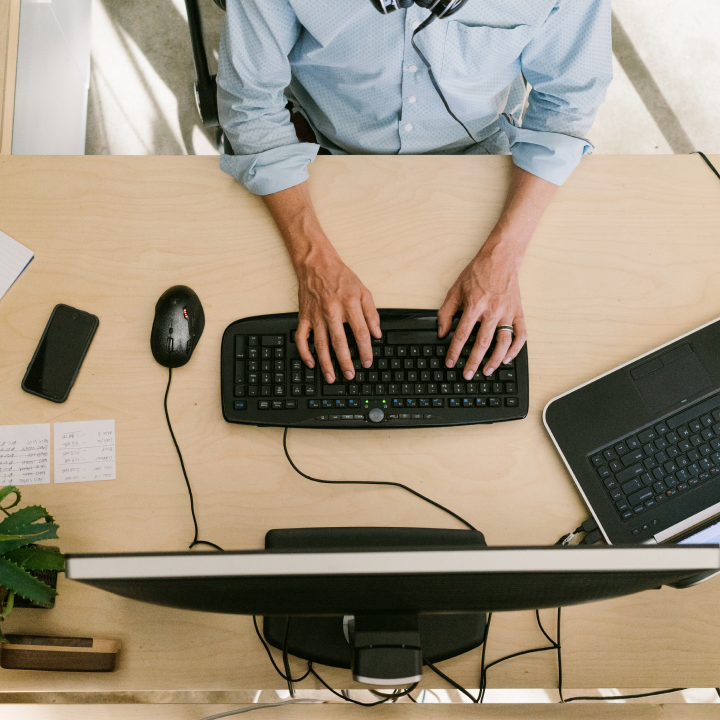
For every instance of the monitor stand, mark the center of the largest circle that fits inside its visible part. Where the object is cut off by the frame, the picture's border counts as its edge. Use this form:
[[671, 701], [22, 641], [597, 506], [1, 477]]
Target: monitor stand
[[326, 640]]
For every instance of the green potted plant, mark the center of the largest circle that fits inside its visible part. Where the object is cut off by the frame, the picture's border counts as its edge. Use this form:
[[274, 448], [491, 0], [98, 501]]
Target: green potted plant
[[24, 565]]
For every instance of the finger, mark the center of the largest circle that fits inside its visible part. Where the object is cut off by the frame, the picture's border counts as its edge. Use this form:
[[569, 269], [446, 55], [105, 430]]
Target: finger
[[446, 312], [359, 325], [301, 340], [462, 334], [518, 341], [372, 317], [322, 348], [503, 340], [484, 340], [340, 345]]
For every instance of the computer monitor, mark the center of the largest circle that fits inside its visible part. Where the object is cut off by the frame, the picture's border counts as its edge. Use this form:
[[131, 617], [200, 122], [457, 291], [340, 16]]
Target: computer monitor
[[380, 600]]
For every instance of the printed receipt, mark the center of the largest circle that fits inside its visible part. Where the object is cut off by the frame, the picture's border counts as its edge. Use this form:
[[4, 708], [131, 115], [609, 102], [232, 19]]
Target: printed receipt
[[84, 451], [24, 454]]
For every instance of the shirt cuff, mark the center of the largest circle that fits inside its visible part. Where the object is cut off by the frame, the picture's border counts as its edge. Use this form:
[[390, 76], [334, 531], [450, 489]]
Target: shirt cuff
[[273, 170], [551, 156]]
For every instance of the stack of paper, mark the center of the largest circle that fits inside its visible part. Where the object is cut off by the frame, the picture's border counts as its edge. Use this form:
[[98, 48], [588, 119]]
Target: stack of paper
[[14, 258]]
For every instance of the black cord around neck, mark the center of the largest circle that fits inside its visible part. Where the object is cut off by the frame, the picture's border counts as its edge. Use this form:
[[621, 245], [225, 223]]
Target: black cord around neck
[[432, 75], [371, 482], [182, 465]]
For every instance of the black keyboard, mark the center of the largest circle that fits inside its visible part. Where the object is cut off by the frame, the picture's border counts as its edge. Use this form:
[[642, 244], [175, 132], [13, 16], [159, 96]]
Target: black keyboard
[[663, 460], [264, 381]]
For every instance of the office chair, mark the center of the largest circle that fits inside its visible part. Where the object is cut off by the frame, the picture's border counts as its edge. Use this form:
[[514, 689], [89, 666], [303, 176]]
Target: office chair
[[206, 86]]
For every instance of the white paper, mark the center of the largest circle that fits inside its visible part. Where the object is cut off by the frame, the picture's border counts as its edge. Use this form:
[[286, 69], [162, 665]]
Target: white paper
[[14, 258], [24, 454], [84, 451]]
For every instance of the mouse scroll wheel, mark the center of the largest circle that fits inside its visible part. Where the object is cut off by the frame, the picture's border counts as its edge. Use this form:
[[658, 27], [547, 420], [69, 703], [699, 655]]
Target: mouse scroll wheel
[[169, 344]]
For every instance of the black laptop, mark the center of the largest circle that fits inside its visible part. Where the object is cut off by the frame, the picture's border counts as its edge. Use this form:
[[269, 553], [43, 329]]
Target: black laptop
[[642, 442]]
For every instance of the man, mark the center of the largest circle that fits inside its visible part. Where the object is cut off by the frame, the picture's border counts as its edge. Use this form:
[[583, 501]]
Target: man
[[364, 88]]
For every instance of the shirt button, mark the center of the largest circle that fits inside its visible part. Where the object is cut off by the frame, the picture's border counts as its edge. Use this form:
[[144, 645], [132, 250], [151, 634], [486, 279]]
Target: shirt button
[[416, 25], [412, 68], [412, 100], [408, 127]]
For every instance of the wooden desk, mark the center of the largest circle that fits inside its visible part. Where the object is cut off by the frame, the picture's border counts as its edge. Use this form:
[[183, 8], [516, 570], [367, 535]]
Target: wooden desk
[[626, 258], [9, 29]]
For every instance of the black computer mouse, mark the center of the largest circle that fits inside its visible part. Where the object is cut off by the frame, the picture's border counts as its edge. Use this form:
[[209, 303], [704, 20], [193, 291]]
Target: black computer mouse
[[177, 327]]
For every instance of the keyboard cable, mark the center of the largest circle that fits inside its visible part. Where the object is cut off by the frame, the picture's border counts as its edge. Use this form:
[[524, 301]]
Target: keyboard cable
[[371, 482]]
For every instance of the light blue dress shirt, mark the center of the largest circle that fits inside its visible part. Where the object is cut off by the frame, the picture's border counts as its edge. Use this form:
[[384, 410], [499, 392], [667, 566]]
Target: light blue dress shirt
[[364, 89]]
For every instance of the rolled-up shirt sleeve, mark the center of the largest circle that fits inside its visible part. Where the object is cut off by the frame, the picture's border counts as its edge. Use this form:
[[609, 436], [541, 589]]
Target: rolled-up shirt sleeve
[[569, 66], [253, 72]]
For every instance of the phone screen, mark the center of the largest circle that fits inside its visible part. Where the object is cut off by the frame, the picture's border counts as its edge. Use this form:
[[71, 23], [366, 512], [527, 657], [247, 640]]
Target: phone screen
[[60, 353]]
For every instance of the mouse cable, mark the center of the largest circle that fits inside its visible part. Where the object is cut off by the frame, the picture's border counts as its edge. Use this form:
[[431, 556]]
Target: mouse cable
[[182, 465], [371, 482], [272, 660], [712, 167]]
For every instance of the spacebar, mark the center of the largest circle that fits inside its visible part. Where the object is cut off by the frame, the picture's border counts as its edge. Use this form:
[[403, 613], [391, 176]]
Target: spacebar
[[693, 412]]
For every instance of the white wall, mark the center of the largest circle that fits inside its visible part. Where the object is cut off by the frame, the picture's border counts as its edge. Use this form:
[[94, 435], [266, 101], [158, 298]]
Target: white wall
[[53, 75]]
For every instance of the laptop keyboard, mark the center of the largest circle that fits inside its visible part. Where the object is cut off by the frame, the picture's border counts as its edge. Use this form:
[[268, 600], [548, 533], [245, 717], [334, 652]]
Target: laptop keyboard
[[264, 381], [663, 460]]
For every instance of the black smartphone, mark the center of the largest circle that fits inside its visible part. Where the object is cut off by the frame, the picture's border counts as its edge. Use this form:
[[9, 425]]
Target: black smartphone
[[60, 353]]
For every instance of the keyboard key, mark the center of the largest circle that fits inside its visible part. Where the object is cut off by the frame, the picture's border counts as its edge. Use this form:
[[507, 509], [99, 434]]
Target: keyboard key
[[313, 404], [616, 494], [438, 402], [640, 496], [512, 402], [647, 435], [494, 402], [273, 340], [277, 404], [482, 402], [240, 405], [240, 390], [609, 455], [291, 404], [621, 448], [695, 425], [333, 390], [630, 472], [632, 457], [661, 428], [622, 505], [633, 443], [632, 486], [610, 483], [263, 404], [616, 466], [240, 347], [454, 403]]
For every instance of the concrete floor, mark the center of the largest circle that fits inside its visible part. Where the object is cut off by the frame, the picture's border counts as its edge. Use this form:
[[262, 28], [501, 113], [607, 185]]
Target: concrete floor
[[664, 98]]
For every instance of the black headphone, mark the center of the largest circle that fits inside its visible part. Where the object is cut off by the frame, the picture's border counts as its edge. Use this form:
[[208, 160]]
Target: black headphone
[[439, 8]]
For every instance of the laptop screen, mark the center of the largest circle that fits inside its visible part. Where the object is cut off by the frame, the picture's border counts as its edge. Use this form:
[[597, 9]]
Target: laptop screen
[[707, 536]]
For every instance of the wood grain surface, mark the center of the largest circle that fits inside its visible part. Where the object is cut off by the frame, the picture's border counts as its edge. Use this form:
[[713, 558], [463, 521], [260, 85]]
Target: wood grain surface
[[338, 711], [9, 31], [626, 258]]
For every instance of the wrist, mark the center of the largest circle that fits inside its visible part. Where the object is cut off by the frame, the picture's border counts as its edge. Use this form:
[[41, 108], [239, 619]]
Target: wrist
[[311, 251], [505, 249]]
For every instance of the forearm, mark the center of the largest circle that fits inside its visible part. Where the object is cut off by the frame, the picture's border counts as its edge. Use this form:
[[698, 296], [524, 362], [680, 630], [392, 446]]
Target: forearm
[[526, 201], [295, 216]]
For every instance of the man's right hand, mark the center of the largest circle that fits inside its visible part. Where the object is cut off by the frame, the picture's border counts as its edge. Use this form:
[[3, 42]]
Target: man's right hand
[[329, 293]]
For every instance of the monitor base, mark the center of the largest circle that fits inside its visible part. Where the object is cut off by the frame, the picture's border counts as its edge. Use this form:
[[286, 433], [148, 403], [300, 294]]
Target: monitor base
[[323, 639]]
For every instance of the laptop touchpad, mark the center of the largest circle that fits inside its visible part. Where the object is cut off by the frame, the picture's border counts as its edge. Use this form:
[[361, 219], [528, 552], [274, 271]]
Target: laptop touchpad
[[678, 375]]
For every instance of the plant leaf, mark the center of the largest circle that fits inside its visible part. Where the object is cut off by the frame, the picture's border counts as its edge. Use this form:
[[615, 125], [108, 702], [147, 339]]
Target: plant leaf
[[4, 492], [37, 558], [12, 524], [9, 604], [44, 532], [24, 584]]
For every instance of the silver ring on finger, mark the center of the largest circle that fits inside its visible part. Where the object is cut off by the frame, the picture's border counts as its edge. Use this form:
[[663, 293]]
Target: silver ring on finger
[[510, 328]]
